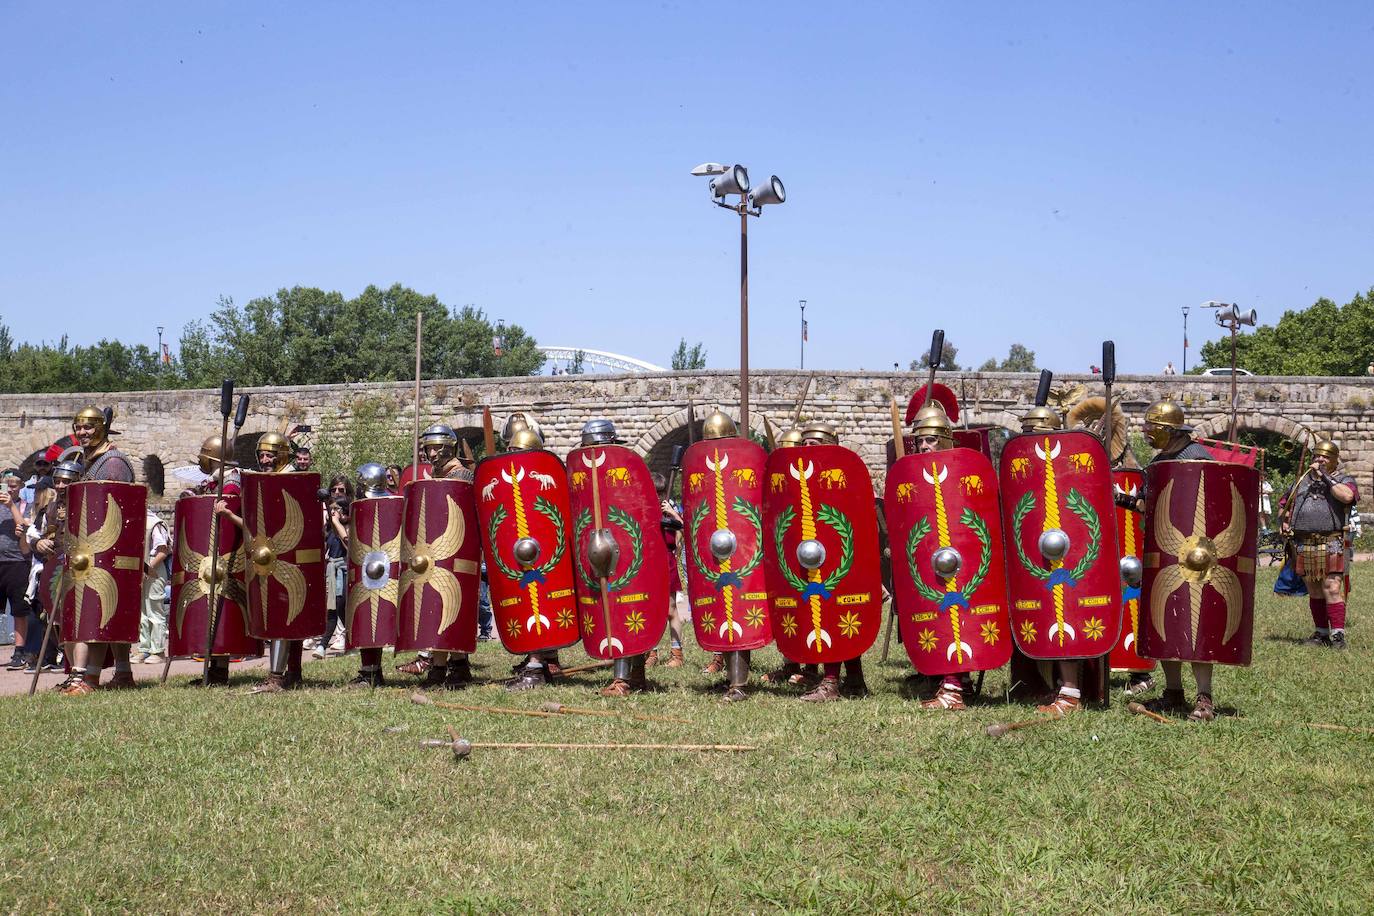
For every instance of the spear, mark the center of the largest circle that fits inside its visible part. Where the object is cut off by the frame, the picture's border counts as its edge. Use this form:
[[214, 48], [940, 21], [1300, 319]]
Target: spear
[[899, 449], [462, 747]]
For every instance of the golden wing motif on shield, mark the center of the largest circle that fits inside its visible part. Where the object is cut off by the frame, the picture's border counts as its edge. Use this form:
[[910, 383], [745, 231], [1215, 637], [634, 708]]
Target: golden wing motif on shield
[[81, 573], [265, 550], [1197, 561], [358, 552], [419, 569]]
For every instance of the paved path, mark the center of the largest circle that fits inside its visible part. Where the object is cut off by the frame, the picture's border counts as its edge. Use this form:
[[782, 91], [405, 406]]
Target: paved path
[[17, 682]]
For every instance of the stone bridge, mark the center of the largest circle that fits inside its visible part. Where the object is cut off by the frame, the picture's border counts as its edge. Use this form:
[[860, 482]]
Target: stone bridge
[[651, 410]]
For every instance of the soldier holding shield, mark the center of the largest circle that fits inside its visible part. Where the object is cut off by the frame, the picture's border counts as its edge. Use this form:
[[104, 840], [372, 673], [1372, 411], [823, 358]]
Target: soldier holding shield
[[102, 462], [823, 571], [440, 558], [1199, 559], [948, 571], [524, 513]]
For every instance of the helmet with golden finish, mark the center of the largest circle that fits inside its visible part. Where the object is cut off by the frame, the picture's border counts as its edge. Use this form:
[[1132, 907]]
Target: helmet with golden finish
[[718, 426]]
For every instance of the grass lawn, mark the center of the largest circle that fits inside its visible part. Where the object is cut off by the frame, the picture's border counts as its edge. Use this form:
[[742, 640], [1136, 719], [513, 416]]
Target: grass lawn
[[173, 799]]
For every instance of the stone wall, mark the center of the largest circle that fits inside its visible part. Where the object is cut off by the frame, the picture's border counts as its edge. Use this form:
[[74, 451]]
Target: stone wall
[[651, 410]]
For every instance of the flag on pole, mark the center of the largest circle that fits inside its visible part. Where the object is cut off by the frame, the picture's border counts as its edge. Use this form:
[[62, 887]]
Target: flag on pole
[[803, 329]]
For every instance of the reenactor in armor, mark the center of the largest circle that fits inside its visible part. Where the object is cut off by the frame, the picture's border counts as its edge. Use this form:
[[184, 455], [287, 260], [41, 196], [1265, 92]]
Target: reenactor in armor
[[1167, 430], [618, 554], [1318, 518], [100, 461], [834, 481], [725, 547], [51, 546], [792, 673], [273, 453], [450, 670], [1041, 419], [524, 512], [374, 555]]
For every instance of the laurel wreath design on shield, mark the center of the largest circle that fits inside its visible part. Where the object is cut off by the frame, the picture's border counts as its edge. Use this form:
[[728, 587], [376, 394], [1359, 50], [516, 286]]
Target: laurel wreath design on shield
[[623, 520], [841, 526], [550, 512], [750, 512], [971, 520], [1079, 506]]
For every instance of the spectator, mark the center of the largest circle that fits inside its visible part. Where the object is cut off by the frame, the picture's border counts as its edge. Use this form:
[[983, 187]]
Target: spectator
[[38, 481], [152, 627], [1169, 368], [670, 527], [14, 563], [336, 550], [303, 458]]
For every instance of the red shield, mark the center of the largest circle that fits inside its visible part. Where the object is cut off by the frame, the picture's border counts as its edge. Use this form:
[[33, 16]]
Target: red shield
[[374, 572], [1062, 568], [947, 501], [722, 497], [410, 472], [441, 573], [1130, 542], [624, 601], [101, 588], [285, 568], [820, 496], [192, 568], [523, 497], [1200, 528]]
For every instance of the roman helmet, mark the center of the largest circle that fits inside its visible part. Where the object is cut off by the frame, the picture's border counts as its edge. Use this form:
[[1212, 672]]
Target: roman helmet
[[518, 421], [819, 432], [372, 481], [790, 438], [276, 444], [212, 454], [718, 426], [1328, 450], [1041, 419], [525, 439], [931, 420], [598, 432], [69, 466], [1162, 420], [443, 440], [96, 418]]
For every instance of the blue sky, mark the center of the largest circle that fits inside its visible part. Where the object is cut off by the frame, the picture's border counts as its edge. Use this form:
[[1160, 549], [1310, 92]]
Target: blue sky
[[1052, 174]]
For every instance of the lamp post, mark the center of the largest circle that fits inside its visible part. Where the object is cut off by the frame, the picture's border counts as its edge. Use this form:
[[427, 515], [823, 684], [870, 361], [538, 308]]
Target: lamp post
[[1232, 316], [159, 357], [727, 181], [1185, 340], [802, 303], [498, 340]]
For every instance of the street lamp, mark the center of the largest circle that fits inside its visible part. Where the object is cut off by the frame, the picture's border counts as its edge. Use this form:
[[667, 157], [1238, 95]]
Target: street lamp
[[1232, 316], [159, 357], [1185, 340], [802, 303], [733, 180], [498, 340]]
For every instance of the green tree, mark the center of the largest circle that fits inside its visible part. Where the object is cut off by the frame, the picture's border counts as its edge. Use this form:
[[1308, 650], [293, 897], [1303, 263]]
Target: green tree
[[371, 430], [685, 357], [1322, 339], [1019, 359], [947, 357], [307, 336]]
